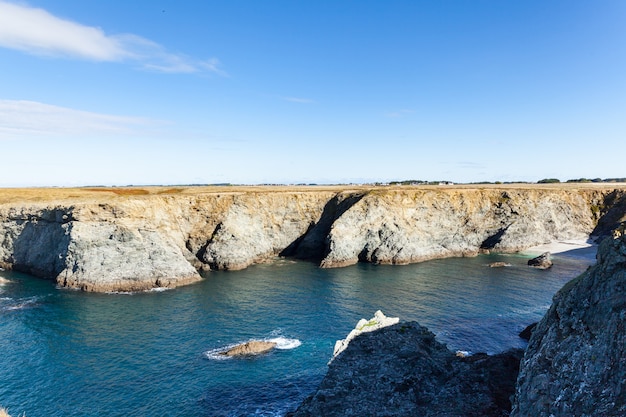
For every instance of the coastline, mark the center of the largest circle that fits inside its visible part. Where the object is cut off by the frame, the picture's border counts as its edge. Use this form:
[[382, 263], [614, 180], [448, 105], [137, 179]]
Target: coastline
[[578, 248]]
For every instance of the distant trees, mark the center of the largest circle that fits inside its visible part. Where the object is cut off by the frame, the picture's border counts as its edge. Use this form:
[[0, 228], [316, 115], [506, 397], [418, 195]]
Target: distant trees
[[598, 180], [549, 181]]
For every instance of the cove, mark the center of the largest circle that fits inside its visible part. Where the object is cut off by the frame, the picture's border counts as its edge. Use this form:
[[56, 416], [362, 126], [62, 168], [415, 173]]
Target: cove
[[69, 353]]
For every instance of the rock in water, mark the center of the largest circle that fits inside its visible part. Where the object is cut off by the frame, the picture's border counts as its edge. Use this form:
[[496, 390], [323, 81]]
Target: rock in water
[[527, 332], [253, 347], [401, 370], [498, 264], [575, 363], [543, 261], [377, 322]]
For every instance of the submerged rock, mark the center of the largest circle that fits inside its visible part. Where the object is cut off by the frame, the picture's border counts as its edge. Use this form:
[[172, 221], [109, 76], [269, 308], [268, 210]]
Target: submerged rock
[[575, 363], [401, 370], [543, 261], [498, 264], [253, 347]]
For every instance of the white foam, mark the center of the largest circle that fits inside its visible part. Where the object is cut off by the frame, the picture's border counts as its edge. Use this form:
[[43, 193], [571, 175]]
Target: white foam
[[284, 343], [20, 304], [160, 289], [156, 289], [216, 354]]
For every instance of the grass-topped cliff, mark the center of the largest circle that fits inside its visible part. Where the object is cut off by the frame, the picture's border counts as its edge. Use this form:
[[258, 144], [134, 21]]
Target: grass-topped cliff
[[137, 238]]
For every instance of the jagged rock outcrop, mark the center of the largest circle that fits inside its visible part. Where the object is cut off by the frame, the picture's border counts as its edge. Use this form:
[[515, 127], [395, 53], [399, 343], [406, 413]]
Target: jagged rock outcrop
[[575, 363], [402, 370], [363, 326], [543, 261], [137, 242]]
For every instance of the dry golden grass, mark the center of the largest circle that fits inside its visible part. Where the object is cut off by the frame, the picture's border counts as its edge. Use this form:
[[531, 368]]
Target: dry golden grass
[[99, 194], [171, 191], [120, 191]]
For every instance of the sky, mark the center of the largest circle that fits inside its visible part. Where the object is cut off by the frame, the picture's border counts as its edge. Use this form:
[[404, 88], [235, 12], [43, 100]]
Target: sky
[[344, 91]]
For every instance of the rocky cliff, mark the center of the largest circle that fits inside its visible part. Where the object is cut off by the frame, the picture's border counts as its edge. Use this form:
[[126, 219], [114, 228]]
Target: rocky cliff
[[132, 241], [575, 363], [403, 371]]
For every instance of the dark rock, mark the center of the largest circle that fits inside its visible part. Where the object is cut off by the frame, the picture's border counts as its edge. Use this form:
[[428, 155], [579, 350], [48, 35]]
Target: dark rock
[[402, 370], [527, 332], [498, 264], [543, 261], [575, 363]]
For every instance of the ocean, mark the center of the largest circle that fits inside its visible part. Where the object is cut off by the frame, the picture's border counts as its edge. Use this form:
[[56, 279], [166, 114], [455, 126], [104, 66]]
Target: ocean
[[69, 353]]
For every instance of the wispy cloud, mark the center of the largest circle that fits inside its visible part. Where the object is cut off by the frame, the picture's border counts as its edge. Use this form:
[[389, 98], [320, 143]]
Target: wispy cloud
[[21, 118], [399, 113], [298, 100], [37, 32]]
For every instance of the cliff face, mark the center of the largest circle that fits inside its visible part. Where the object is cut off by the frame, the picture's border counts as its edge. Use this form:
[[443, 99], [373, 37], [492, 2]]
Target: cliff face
[[575, 363], [403, 371], [141, 242], [405, 227]]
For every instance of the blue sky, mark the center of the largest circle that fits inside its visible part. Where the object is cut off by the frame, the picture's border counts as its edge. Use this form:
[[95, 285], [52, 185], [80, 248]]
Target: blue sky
[[177, 92]]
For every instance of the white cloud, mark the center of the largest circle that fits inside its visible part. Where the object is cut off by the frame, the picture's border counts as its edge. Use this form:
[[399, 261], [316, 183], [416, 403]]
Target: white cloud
[[21, 118], [36, 31]]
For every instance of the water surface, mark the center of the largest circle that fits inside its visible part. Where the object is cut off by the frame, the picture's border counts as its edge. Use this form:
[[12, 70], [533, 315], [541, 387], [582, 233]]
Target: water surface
[[68, 353]]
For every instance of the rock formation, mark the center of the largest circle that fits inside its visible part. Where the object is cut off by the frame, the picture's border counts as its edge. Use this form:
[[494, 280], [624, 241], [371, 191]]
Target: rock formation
[[137, 242], [253, 347], [402, 370], [527, 332], [363, 326], [543, 261], [575, 363]]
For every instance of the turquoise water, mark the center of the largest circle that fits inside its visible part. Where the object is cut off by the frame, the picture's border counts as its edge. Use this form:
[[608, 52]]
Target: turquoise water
[[67, 353]]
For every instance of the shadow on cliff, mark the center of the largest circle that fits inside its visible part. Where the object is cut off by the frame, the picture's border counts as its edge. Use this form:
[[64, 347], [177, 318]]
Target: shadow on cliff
[[313, 245], [612, 214], [41, 246]]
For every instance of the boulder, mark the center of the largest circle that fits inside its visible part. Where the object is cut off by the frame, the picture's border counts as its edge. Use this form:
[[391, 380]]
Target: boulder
[[543, 261], [253, 347]]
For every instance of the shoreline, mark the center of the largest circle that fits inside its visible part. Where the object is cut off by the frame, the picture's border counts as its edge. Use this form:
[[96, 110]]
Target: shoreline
[[578, 248]]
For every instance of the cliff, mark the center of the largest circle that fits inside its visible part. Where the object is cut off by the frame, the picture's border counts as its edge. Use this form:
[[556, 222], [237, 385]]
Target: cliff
[[575, 363], [137, 239]]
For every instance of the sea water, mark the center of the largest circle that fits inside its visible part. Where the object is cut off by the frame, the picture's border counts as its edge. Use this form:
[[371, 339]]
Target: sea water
[[69, 353]]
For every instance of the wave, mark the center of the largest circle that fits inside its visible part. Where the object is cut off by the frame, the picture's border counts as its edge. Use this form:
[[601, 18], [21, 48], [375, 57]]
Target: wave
[[284, 343], [156, 289], [13, 304]]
